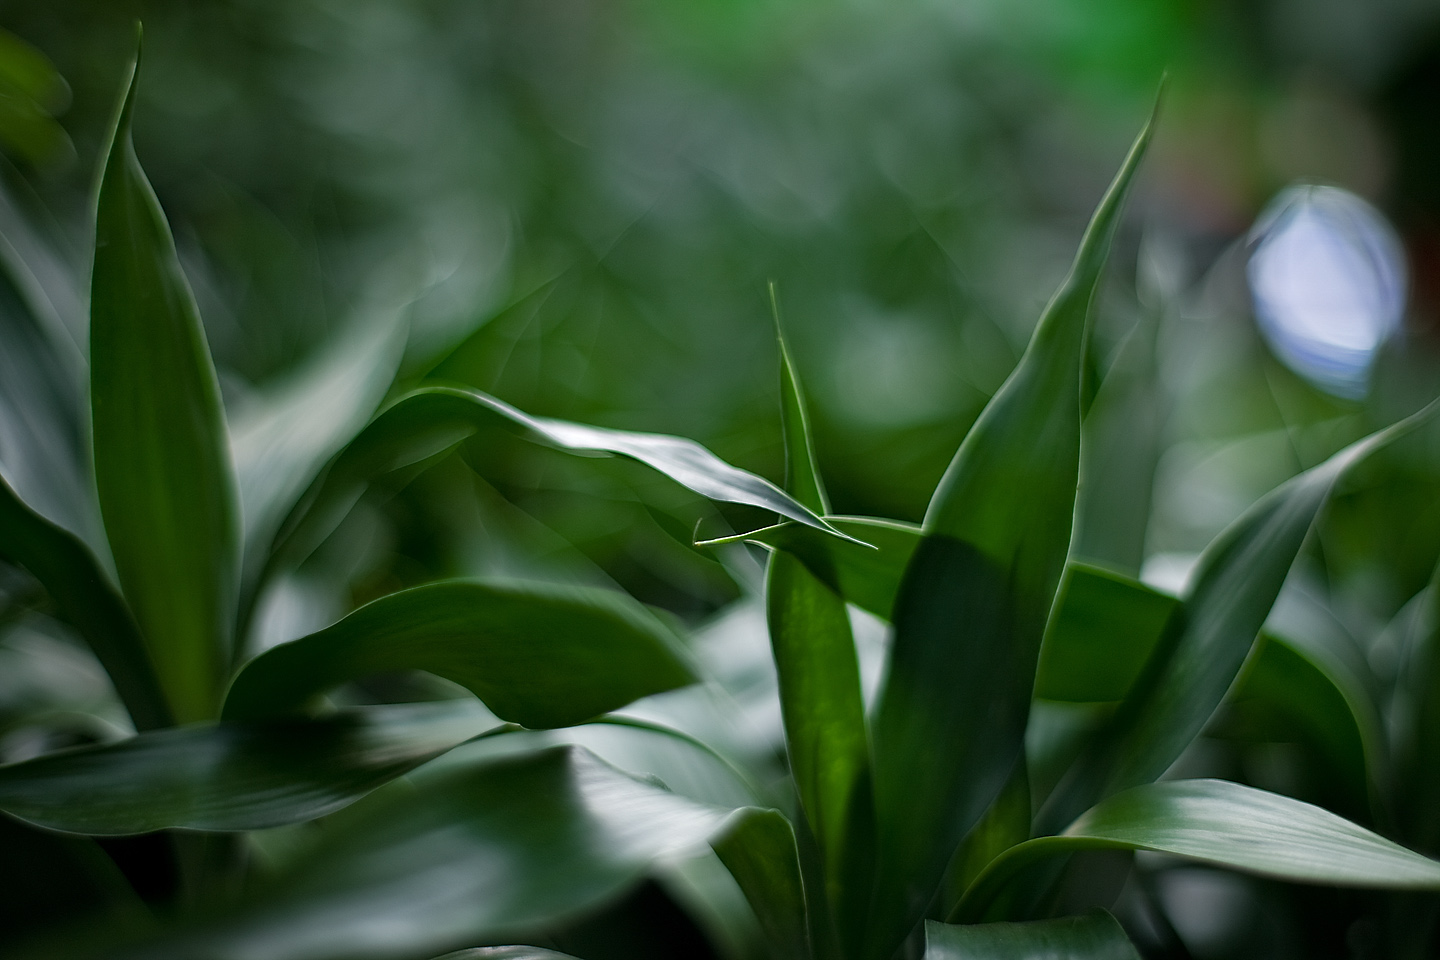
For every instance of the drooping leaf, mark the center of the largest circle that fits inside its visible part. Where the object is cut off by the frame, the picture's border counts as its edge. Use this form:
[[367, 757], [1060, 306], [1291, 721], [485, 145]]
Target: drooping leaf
[[473, 852], [823, 711], [1208, 640], [162, 463], [1094, 936], [85, 599], [539, 655], [802, 476], [430, 420], [1102, 634], [758, 848], [283, 439], [1226, 825], [233, 776], [949, 724]]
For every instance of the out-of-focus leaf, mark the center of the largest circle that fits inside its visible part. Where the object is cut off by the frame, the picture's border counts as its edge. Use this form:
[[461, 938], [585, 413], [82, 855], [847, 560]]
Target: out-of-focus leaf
[[1197, 661], [1226, 825], [950, 721], [84, 597], [283, 439], [432, 419], [162, 463], [1094, 936], [536, 654], [1417, 758], [32, 92], [473, 852], [1104, 629], [506, 953], [233, 776], [758, 848], [866, 574], [802, 476]]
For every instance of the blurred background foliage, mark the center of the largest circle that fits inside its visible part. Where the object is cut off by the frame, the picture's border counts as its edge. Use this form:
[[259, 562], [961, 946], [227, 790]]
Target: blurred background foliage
[[579, 205]]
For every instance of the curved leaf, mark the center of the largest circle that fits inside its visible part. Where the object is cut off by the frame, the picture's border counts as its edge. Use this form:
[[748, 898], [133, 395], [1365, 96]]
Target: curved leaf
[[162, 465], [506, 953], [536, 654], [85, 599], [429, 420], [1226, 825], [802, 476], [1094, 936], [758, 848], [949, 724], [472, 852], [233, 776], [1207, 642]]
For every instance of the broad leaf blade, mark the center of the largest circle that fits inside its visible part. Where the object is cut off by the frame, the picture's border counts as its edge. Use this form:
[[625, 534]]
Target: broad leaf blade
[[536, 654], [84, 598], [1226, 825], [758, 848], [233, 776], [162, 464], [1094, 936], [1239, 577], [974, 602], [475, 852]]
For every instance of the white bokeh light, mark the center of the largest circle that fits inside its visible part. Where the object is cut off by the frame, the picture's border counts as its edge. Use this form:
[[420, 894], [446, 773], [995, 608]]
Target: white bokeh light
[[1327, 275]]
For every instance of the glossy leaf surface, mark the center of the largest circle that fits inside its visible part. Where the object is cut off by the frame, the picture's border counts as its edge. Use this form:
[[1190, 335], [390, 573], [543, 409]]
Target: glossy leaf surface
[[972, 608], [1226, 825], [162, 463], [536, 654], [472, 852], [758, 848], [233, 776], [1094, 936]]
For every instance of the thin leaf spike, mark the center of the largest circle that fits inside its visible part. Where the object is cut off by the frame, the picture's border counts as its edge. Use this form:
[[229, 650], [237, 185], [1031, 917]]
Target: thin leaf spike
[[971, 610], [162, 461], [802, 476]]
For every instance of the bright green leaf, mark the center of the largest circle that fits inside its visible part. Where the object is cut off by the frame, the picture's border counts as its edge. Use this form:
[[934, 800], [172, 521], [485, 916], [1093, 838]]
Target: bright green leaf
[[1094, 936], [1225, 825], [538, 655], [950, 721], [162, 463], [758, 848], [233, 776]]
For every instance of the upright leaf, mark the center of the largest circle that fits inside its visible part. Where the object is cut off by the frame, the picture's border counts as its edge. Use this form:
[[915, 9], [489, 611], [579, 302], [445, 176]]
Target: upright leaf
[[950, 722], [1225, 825], [802, 477], [1207, 642], [758, 848], [233, 776], [536, 654], [162, 463], [1094, 936]]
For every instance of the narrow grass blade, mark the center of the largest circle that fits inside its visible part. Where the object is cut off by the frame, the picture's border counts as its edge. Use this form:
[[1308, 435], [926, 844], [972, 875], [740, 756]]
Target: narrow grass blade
[[162, 464], [473, 853], [1094, 936], [802, 476], [950, 721], [536, 654], [233, 776], [758, 848], [1207, 643], [1225, 825], [84, 598]]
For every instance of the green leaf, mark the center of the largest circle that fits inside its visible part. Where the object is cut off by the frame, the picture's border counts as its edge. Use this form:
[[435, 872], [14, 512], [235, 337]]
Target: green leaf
[[84, 598], [950, 721], [1104, 629], [162, 464], [1225, 825], [758, 848], [430, 420], [1417, 766], [538, 655], [472, 852], [233, 776], [1094, 936], [506, 953], [1195, 664], [802, 476]]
